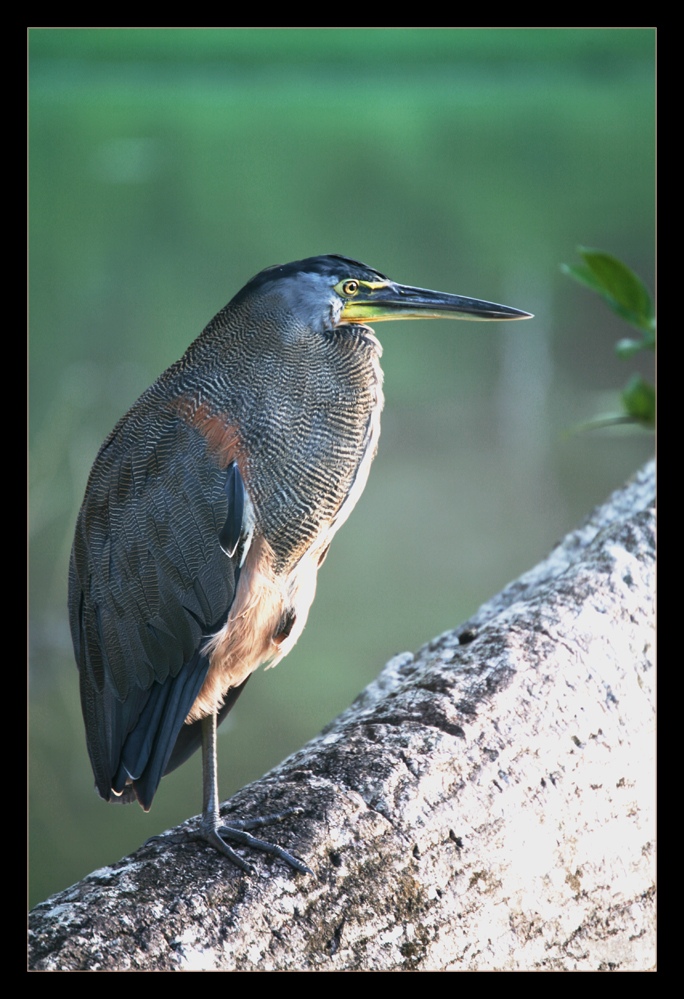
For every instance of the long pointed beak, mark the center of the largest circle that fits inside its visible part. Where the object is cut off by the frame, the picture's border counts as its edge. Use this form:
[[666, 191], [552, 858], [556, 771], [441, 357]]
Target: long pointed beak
[[397, 301]]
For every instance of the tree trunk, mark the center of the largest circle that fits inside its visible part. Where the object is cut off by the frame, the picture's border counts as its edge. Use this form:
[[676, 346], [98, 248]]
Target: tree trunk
[[487, 803]]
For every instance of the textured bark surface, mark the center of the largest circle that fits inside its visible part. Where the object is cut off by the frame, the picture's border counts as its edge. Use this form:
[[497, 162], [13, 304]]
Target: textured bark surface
[[487, 803]]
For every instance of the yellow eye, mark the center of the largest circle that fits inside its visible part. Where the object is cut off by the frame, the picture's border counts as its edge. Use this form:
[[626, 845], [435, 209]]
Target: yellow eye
[[350, 287]]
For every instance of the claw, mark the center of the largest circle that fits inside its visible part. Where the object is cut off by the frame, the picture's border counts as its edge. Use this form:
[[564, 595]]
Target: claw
[[216, 835]]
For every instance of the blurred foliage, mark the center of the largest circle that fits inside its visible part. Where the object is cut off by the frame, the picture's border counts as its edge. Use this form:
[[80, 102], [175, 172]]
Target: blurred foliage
[[628, 297]]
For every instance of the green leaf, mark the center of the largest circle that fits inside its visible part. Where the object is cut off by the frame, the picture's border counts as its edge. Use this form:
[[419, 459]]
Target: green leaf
[[624, 292], [638, 398], [626, 295], [608, 421], [583, 275]]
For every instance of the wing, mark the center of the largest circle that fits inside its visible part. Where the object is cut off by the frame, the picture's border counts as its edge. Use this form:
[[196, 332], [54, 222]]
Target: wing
[[153, 572]]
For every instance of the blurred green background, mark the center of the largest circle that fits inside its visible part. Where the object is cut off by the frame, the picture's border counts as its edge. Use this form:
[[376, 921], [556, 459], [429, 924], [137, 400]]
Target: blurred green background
[[169, 166]]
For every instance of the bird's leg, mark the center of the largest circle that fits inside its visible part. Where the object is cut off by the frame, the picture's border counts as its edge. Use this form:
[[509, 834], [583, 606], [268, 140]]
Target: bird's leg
[[214, 832]]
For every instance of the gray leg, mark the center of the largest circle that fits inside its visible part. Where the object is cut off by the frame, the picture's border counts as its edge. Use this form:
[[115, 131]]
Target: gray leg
[[211, 828]]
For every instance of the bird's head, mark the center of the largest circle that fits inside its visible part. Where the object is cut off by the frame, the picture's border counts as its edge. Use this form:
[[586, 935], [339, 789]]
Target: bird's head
[[321, 293]]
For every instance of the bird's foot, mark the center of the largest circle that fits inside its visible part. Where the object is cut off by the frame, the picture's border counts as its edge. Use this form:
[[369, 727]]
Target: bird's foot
[[212, 831]]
